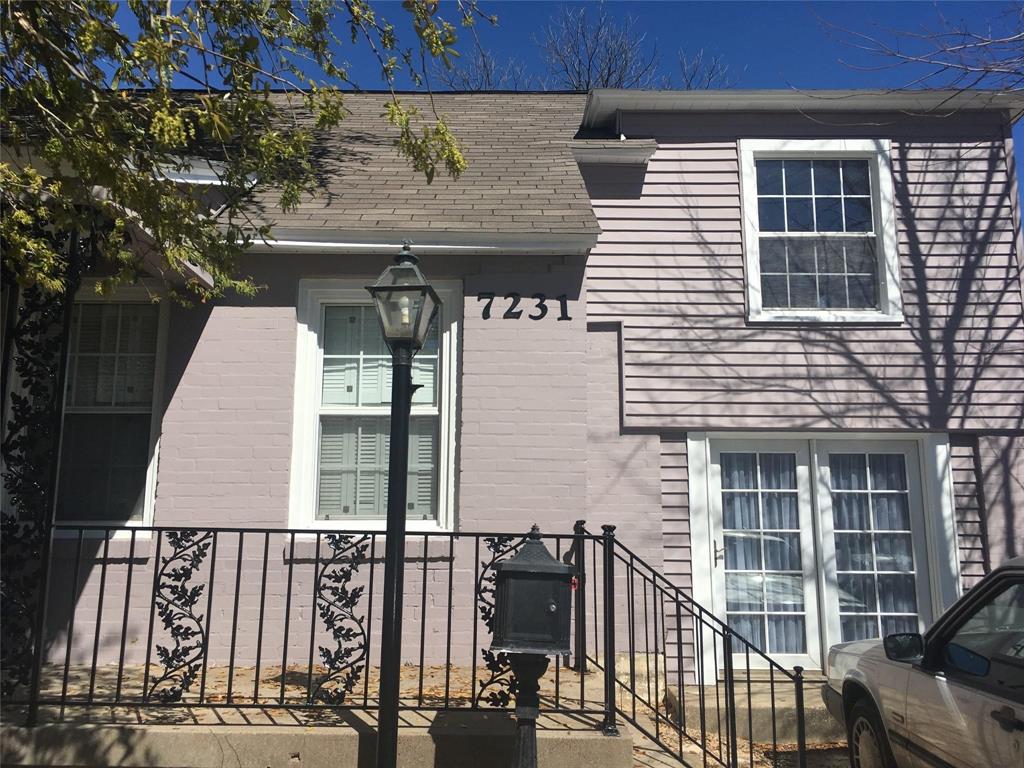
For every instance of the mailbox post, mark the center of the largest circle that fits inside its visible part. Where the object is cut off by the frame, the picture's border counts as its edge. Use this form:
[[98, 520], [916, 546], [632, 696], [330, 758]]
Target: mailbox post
[[531, 621]]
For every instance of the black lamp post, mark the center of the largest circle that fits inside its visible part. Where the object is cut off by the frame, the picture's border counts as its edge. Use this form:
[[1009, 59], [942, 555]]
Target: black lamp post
[[406, 304]]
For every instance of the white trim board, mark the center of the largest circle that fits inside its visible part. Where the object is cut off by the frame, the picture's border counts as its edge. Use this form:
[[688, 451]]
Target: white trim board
[[312, 296], [883, 207]]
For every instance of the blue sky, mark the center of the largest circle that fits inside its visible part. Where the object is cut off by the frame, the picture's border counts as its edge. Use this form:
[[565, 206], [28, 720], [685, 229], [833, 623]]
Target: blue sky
[[767, 44]]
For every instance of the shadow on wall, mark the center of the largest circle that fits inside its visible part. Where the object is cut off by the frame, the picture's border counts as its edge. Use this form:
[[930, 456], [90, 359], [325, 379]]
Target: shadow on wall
[[953, 364]]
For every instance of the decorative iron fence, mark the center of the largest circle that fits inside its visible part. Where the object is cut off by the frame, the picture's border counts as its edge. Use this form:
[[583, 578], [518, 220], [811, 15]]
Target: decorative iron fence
[[261, 618]]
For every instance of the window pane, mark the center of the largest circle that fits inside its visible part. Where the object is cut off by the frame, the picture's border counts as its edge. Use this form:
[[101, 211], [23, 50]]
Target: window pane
[[826, 177], [137, 332], [742, 552], [134, 379], [860, 254], [848, 471], [91, 380], [798, 177], [95, 327], [744, 592], [354, 462], [831, 256], [749, 627], [803, 291], [769, 177], [858, 627], [771, 215], [104, 458], [780, 511], [863, 291], [344, 331], [786, 634], [801, 255], [799, 214], [772, 254], [739, 511], [784, 592], [894, 552], [832, 291], [858, 214], [782, 551], [888, 472], [341, 379], [891, 512], [829, 212], [778, 470], [774, 291], [857, 593], [856, 177], [853, 552], [850, 511], [892, 625], [739, 470], [896, 593]]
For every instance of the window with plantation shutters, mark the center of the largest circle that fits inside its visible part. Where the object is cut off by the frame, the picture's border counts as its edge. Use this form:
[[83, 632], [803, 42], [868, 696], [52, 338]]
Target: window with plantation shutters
[[108, 410], [354, 420]]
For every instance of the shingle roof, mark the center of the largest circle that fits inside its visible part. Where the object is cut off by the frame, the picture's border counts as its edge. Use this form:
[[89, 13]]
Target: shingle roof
[[521, 179]]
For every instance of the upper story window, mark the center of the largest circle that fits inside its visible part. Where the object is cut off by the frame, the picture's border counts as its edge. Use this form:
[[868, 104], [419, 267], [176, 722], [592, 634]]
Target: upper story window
[[342, 413], [819, 231], [107, 437]]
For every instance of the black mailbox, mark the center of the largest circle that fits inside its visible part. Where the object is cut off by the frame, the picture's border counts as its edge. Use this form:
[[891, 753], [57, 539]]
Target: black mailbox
[[532, 601]]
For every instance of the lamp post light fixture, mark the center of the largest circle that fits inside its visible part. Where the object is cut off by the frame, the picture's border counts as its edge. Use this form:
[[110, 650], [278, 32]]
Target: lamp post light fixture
[[406, 304]]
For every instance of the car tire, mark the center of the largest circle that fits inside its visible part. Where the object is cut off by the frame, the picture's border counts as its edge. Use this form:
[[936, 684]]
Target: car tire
[[866, 739]]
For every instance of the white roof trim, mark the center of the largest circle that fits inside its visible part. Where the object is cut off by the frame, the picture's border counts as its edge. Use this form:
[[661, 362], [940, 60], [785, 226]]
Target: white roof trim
[[385, 242], [604, 103], [625, 153]]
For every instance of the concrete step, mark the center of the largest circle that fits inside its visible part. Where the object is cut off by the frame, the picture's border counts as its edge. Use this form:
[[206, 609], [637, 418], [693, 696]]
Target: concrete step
[[452, 739]]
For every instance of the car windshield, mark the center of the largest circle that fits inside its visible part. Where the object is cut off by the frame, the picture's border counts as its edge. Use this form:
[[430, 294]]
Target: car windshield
[[991, 642]]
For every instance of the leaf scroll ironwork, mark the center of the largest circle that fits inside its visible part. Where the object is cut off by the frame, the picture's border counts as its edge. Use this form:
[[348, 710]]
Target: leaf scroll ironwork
[[336, 601], [498, 688], [176, 600]]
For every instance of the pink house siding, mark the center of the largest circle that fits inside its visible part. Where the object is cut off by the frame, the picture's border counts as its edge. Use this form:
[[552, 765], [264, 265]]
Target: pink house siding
[[669, 266]]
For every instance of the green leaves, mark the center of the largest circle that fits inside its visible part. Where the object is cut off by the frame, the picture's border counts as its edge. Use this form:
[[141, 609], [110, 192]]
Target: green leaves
[[98, 131]]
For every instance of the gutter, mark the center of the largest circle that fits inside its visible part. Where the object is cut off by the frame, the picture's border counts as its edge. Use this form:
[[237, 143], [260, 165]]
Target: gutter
[[465, 243]]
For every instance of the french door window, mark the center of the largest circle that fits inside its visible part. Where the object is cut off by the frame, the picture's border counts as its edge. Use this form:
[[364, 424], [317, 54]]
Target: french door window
[[764, 583], [817, 542], [874, 548]]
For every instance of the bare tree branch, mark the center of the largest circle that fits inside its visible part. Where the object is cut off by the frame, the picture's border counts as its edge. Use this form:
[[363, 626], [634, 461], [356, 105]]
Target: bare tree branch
[[586, 48], [704, 71]]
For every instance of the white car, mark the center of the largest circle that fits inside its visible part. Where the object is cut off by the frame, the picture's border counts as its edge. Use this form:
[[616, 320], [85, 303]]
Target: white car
[[952, 698]]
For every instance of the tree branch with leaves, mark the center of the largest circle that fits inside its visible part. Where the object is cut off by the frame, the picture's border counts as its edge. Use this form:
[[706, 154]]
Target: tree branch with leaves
[[97, 130]]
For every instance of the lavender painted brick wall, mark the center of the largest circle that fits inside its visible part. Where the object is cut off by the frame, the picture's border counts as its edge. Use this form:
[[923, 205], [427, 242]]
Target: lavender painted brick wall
[[623, 470]]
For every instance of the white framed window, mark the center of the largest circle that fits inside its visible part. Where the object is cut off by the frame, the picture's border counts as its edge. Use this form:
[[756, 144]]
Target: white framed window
[[111, 423], [342, 413], [811, 540], [819, 228]]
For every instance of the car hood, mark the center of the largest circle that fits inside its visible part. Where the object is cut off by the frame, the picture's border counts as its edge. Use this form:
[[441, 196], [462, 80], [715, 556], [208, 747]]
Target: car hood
[[845, 656]]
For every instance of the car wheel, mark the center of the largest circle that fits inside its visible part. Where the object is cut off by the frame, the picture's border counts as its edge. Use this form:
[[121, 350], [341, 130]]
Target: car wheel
[[868, 744]]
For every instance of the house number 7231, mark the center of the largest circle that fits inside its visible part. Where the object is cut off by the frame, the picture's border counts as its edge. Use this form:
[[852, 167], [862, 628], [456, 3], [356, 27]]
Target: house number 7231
[[512, 312]]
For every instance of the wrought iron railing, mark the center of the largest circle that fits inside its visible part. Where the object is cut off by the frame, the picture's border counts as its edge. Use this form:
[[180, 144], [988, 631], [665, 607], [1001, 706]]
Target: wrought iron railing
[[160, 618], [680, 675]]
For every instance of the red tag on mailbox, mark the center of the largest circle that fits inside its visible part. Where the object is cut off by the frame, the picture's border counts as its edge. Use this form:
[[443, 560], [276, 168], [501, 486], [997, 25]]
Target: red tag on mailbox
[[573, 583]]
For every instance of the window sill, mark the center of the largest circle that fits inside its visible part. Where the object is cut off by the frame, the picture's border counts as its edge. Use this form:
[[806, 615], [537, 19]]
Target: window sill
[[824, 318], [305, 547]]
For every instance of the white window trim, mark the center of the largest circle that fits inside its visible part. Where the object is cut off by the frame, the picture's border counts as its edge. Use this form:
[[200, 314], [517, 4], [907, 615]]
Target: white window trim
[[942, 570], [879, 152], [313, 295], [143, 293]]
